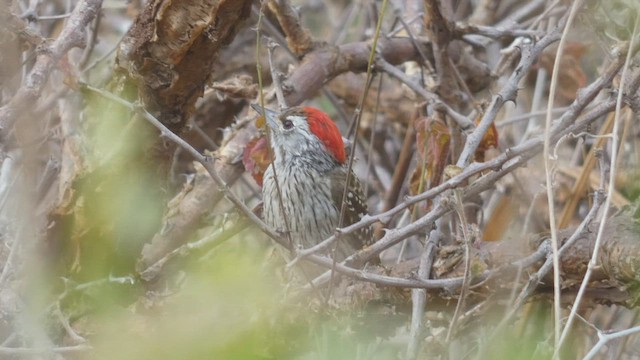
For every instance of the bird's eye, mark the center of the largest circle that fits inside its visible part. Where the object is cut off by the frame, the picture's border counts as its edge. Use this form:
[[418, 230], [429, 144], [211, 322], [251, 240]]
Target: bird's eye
[[287, 124]]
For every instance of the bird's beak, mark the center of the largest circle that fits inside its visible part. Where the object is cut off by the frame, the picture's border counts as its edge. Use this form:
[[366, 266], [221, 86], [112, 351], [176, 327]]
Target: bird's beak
[[270, 116]]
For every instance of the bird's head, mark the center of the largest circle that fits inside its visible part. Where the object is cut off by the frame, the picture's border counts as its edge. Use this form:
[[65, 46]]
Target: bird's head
[[304, 131]]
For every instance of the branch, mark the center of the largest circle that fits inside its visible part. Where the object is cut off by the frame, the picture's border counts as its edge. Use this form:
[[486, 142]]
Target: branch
[[298, 37], [21, 28], [461, 120], [275, 76], [323, 64], [72, 35], [209, 242], [604, 338], [508, 92], [462, 29], [419, 296], [439, 31]]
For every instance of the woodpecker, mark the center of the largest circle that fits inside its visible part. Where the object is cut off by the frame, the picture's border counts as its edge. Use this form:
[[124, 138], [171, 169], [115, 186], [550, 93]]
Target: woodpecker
[[310, 163]]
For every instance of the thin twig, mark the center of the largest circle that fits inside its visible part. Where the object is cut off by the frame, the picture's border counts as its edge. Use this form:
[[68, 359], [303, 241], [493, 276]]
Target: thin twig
[[507, 93], [548, 175], [411, 36], [54, 17], [459, 208], [67, 327], [13, 253], [419, 296], [393, 71], [604, 338], [524, 117], [210, 241], [341, 30], [275, 76], [539, 91], [91, 44], [449, 283], [202, 134], [494, 32]]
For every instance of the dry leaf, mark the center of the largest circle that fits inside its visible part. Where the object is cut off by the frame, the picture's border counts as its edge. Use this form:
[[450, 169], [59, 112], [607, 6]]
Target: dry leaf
[[489, 140], [256, 158], [433, 139]]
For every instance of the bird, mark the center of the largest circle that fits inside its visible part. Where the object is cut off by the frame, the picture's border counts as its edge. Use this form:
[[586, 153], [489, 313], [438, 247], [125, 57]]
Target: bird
[[310, 168]]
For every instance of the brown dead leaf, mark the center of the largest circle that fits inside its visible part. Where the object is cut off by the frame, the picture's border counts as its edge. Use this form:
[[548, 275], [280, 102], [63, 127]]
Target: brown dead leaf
[[489, 140], [256, 158], [433, 139]]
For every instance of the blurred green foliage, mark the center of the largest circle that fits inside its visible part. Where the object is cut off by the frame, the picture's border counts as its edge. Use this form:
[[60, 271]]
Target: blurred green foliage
[[119, 204], [615, 18]]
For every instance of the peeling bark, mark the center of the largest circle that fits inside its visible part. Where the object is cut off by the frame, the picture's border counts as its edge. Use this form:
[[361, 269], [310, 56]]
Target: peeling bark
[[170, 51]]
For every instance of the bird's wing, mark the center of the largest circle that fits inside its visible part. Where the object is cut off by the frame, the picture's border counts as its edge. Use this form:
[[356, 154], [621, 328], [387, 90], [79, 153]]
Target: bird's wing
[[356, 205]]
